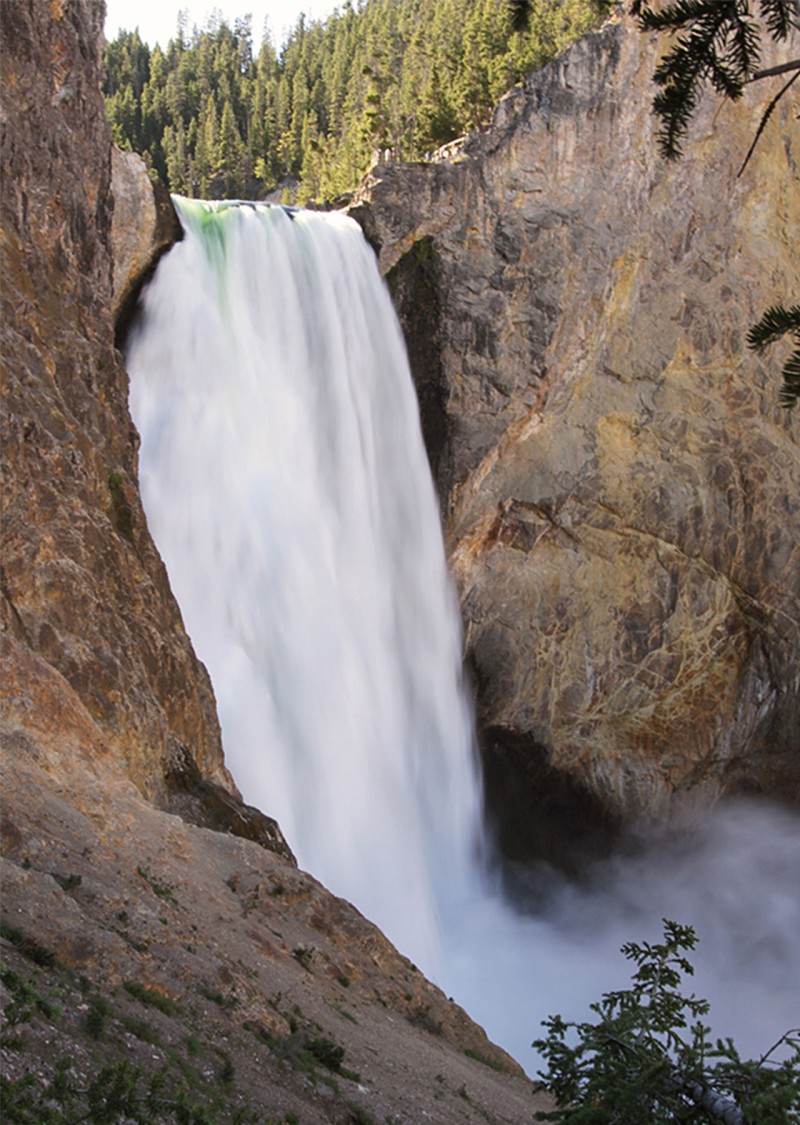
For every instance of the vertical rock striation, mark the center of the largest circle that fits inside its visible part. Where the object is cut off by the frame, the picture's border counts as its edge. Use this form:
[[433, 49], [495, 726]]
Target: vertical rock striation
[[620, 484]]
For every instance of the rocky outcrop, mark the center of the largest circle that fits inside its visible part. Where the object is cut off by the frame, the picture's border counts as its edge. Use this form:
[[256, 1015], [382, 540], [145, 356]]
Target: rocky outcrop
[[82, 586], [619, 482], [144, 226]]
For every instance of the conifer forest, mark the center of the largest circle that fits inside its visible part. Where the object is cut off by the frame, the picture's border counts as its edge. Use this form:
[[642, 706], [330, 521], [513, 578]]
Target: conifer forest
[[221, 114]]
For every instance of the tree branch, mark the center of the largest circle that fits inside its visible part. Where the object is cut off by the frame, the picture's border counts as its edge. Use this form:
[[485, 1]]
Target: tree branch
[[785, 1038], [723, 1109], [770, 71], [765, 118]]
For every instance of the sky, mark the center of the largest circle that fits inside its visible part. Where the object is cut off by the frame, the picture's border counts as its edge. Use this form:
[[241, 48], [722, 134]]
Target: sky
[[158, 19]]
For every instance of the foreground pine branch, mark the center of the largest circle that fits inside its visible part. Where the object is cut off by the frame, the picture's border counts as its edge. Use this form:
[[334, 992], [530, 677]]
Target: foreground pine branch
[[717, 42], [774, 324]]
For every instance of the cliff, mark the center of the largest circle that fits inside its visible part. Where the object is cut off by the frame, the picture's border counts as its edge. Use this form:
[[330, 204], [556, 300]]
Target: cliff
[[149, 918], [618, 479], [83, 587]]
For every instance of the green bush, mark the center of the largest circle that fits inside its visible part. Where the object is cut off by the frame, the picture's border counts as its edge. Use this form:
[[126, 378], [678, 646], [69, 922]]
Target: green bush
[[649, 1058]]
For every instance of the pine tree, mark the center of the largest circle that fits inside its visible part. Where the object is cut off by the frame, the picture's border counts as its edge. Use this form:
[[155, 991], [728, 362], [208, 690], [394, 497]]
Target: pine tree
[[230, 154], [402, 73], [648, 1056]]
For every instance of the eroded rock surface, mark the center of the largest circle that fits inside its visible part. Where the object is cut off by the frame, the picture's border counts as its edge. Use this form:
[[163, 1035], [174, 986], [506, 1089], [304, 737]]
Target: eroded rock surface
[[205, 954], [83, 586], [620, 484]]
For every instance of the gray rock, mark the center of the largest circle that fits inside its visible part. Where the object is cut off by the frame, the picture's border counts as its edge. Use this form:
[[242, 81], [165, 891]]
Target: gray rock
[[144, 226]]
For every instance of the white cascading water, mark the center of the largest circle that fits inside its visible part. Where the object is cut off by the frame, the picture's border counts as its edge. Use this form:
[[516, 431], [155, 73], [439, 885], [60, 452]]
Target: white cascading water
[[287, 488]]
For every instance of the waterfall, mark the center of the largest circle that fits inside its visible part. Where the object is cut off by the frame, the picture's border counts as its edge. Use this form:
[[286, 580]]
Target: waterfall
[[286, 483], [286, 486]]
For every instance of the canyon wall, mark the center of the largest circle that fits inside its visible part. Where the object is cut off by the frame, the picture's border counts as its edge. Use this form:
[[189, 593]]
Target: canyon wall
[[619, 482], [83, 587]]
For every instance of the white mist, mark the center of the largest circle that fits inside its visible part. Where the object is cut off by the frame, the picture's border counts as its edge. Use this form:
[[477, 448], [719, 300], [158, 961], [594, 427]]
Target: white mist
[[286, 486]]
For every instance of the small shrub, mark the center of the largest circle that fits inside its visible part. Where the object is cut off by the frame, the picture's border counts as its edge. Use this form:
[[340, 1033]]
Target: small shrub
[[343, 1012], [160, 887], [28, 947], [151, 999], [360, 1116], [142, 1030], [262, 1033], [68, 882], [421, 1017], [99, 1010], [303, 955], [491, 1063], [326, 1052], [26, 1001], [227, 1002]]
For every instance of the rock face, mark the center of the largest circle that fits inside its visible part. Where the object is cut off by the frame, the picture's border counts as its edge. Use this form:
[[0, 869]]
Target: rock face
[[83, 586], [144, 227], [619, 482]]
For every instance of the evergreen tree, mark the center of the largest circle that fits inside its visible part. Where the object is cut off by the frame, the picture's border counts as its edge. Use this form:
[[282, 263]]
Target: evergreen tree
[[648, 1056], [213, 116], [230, 154]]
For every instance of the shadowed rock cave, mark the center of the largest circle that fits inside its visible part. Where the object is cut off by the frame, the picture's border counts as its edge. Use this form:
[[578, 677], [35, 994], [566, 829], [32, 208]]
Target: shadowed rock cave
[[539, 817]]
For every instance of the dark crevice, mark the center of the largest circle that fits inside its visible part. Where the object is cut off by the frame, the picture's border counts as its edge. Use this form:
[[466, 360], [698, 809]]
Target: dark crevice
[[537, 814], [415, 287]]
